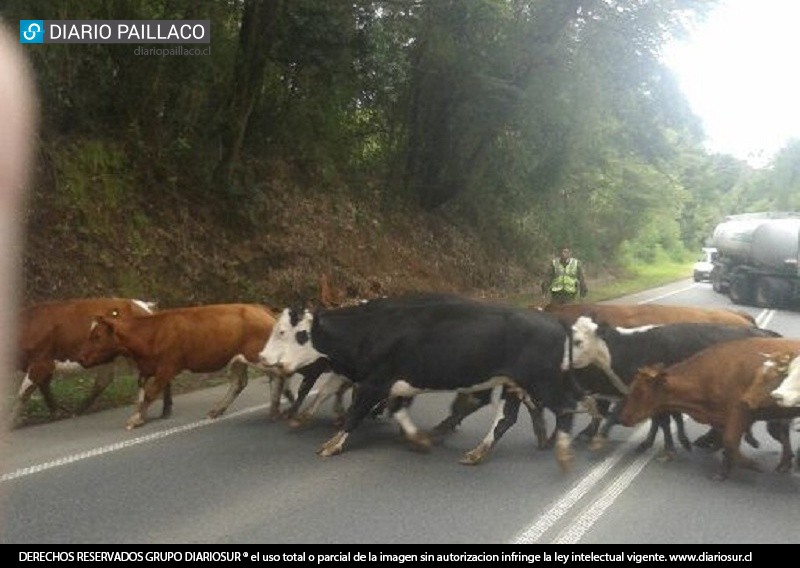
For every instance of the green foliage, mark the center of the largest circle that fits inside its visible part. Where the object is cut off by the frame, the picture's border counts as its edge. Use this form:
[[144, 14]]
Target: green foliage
[[537, 121]]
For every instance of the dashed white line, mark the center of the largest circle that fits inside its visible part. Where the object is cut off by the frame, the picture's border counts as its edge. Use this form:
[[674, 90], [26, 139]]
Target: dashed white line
[[124, 444], [558, 509], [590, 514]]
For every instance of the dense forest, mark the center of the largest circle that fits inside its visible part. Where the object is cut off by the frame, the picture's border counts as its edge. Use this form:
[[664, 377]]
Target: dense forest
[[390, 144]]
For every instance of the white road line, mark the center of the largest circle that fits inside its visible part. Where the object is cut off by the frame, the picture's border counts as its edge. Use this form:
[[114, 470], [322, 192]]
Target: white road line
[[124, 444], [593, 512], [667, 295], [558, 509], [763, 319]]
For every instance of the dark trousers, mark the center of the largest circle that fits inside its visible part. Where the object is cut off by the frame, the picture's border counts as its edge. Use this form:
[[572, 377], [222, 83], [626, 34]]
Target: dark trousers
[[563, 298]]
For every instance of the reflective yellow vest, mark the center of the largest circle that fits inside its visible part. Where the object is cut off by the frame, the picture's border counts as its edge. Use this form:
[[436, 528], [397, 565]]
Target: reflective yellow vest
[[566, 279]]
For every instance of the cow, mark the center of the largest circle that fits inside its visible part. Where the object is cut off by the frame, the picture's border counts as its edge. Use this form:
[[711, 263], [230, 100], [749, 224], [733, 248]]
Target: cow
[[49, 337], [709, 386], [198, 339], [337, 385], [620, 351], [787, 392], [623, 315], [632, 315], [402, 346]]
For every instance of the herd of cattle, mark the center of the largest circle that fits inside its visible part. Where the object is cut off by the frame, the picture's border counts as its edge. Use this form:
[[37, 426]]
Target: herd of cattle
[[621, 363]]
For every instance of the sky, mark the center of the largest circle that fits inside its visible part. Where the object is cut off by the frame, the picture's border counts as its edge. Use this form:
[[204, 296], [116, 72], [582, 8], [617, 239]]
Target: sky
[[740, 72]]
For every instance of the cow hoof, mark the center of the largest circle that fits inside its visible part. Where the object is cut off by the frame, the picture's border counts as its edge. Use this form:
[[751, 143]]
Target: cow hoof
[[475, 456], [420, 442], [131, 424], [327, 452], [598, 443], [214, 414], [297, 422], [275, 416], [666, 456], [333, 446], [784, 467], [564, 458]]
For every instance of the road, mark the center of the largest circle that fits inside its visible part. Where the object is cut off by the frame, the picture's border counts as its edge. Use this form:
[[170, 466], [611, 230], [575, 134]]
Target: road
[[242, 479]]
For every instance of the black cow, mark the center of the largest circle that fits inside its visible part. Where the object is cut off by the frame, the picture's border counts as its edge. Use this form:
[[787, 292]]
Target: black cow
[[399, 347], [620, 352]]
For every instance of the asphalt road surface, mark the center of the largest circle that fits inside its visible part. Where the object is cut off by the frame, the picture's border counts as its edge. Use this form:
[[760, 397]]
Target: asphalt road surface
[[242, 479]]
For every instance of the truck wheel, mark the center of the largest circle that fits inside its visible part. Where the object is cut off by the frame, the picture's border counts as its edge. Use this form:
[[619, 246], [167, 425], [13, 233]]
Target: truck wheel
[[771, 292], [741, 289], [716, 282]]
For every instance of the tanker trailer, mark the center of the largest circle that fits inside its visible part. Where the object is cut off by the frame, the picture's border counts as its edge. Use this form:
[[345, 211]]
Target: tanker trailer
[[758, 259]]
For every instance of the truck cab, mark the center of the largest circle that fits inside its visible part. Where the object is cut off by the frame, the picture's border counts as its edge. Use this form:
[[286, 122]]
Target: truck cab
[[701, 270]]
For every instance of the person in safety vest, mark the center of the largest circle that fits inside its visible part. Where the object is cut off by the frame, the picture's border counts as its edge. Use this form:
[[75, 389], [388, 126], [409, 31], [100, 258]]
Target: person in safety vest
[[566, 279]]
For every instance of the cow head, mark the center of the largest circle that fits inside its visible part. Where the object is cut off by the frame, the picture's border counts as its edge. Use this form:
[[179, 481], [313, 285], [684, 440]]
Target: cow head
[[586, 345], [289, 346], [788, 392], [645, 393], [102, 345], [767, 378]]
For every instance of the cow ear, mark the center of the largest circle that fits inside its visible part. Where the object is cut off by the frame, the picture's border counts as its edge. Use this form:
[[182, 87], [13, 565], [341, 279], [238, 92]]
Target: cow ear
[[603, 328]]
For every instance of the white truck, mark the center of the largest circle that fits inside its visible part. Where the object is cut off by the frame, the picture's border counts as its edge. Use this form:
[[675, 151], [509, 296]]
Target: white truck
[[757, 260]]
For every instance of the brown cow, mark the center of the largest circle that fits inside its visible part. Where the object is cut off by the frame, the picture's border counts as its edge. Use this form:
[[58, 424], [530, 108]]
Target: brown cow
[[710, 387], [199, 339], [632, 315], [50, 335]]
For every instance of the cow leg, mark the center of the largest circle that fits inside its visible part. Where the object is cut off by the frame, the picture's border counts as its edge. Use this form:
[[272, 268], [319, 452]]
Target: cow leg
[[24, 393], [590, 431], [364, 400], [677, 417], [302, 392], [462, 406], [651, 436], [330, 387], [39, 374], [539, 426], [505, 417], [601, 438], [102, 379], [339, 410], [738, 422], [166, 403], [664, 423], [419, 440], [276, 387], [237, 375], [779, 430], [564, 453], [149, 390]]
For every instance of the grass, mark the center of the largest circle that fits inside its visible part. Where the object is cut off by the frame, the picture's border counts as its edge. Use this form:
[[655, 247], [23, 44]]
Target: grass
[[71, 390], [640, 278]]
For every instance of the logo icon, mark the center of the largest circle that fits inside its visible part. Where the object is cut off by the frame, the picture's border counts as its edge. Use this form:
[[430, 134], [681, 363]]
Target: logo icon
[[31, 31]]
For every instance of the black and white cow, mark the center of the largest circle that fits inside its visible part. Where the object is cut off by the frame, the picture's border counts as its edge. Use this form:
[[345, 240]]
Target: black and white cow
[[402, 346], [620, 352]]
